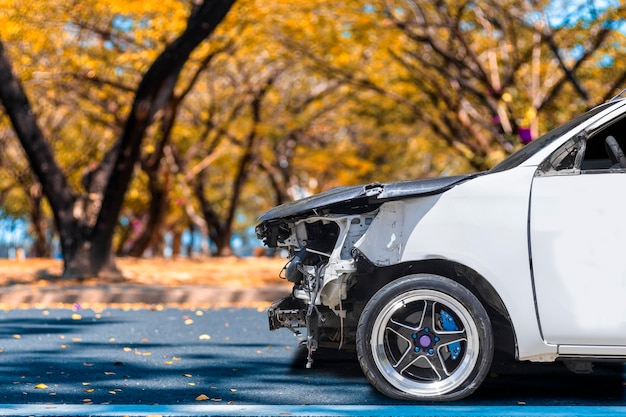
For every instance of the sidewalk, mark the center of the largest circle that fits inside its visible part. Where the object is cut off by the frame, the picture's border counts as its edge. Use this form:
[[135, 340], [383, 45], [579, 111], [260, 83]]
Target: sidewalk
[[188, 296], [216, 282]]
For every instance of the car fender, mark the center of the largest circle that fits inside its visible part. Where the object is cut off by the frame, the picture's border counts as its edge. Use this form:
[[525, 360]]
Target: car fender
[[481, 224]]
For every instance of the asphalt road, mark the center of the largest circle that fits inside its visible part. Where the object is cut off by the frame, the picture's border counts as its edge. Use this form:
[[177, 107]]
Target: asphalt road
[[227, 360]]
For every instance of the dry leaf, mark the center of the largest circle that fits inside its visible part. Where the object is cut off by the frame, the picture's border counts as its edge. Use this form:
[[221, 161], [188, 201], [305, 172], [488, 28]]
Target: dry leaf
[[204, 337], [202, 397], [76, 316], [187, 375], [88, 390], [17, 336], [188, 322], [41, 386]]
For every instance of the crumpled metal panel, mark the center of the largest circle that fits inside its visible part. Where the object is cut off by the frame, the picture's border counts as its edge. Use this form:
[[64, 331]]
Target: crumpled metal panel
[[346, 199]]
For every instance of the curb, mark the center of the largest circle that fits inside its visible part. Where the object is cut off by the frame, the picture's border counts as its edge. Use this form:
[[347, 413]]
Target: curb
[[189, 296]]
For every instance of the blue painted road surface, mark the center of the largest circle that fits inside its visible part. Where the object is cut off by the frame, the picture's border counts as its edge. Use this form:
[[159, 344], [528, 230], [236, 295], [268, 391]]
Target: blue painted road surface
[[227, 362]]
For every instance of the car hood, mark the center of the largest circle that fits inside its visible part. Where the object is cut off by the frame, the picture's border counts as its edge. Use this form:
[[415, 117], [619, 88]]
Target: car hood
[[361, 197]]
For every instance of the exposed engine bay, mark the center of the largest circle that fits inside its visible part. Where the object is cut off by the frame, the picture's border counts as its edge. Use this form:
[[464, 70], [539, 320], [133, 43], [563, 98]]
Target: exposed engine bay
[[322, 266]]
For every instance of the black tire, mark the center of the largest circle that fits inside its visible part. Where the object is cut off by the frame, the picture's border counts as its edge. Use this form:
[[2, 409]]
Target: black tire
[[407, 344]]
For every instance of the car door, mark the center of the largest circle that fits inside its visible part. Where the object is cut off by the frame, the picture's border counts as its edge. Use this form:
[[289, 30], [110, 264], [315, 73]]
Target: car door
[[577, 229]]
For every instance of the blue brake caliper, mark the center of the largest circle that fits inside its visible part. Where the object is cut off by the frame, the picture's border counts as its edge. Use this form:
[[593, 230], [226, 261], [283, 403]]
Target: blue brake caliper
[[447, 323]]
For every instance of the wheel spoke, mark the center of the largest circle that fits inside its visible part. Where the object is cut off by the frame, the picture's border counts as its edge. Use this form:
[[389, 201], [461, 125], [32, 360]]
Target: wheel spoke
[[449, 337], [408, 358], [403, 330], [428, 315], [436, 362]]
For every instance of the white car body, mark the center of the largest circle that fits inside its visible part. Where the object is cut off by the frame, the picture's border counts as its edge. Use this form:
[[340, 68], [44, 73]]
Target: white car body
[[539, 240]]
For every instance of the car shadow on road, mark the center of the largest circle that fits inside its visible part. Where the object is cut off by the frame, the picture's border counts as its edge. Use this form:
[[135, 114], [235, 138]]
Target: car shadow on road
[[509, 382]]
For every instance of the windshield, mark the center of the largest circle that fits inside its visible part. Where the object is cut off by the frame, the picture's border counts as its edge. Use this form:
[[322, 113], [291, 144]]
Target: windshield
[[535, 146]]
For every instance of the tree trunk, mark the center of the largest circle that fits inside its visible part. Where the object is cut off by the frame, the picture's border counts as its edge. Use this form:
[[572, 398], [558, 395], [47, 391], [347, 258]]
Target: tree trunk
[[156, 216], [41, 247], [86, 225], [154, 89]]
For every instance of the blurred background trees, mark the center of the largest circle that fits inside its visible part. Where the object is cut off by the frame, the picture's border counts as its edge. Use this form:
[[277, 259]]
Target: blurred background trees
[[289, 98]]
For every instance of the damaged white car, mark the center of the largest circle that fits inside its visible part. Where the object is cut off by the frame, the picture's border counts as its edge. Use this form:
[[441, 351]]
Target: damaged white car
[[427, 277]]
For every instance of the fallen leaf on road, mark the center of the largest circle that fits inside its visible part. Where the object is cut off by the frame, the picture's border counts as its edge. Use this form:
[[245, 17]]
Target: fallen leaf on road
[[17, 336], [188, 322], [202, 397], [76, 317], [41, 386], [88, 390], [204, 337], [187, 375]]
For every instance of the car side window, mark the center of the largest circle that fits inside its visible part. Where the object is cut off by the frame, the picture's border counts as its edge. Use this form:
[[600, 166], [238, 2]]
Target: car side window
[[563, 160], [601, 152], [604, 150]]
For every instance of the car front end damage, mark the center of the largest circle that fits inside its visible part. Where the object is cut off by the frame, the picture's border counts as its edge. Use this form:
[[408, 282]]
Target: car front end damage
[[332, 278]]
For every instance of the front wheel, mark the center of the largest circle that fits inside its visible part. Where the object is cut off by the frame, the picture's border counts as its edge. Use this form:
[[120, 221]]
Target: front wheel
[[425, 337]]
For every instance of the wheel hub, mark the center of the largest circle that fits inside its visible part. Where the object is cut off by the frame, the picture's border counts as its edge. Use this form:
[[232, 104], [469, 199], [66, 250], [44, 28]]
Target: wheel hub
[[424, 341]]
